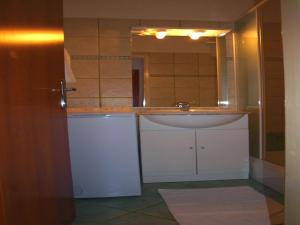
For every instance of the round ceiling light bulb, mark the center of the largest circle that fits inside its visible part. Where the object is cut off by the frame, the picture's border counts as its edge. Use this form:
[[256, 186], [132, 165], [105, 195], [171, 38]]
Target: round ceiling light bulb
[[195, 35], [161, 34]]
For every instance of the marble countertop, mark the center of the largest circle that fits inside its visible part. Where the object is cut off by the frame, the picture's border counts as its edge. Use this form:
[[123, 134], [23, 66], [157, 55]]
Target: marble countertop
[[153, 111]]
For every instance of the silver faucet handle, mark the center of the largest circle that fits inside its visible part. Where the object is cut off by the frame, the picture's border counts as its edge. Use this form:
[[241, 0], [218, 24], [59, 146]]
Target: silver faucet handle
[[181, 104], [184, 106]]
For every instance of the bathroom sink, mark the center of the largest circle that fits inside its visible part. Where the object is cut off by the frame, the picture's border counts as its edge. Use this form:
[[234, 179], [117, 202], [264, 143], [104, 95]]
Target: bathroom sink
[[194, 121]]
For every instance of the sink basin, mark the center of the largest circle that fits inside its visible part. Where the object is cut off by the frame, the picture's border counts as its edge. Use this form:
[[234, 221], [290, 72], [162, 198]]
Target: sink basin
[[194, 121]]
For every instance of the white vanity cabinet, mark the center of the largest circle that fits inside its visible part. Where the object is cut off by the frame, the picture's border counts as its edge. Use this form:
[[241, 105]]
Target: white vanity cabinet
[[176, 153], [168, 153], [222, 153]]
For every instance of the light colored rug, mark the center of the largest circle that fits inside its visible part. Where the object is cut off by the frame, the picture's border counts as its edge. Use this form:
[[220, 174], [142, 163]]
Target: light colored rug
[[220, 206]]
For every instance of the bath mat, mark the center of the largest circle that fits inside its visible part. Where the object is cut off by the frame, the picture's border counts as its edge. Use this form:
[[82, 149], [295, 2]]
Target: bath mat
[[219, 206]]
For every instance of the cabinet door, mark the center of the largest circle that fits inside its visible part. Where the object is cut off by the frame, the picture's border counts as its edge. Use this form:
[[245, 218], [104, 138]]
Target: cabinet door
[[168, 153], [222, 150]]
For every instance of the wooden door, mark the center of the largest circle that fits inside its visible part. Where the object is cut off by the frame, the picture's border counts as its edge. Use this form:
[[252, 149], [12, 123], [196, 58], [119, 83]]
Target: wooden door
[[35, 175]]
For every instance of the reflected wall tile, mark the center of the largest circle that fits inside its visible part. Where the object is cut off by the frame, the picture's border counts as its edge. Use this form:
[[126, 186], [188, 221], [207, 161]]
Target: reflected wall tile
[[161, 68], [115, 68], [186, 69], [162, 102], [208, 82], [167, 82], [187, 82], [186, 58], [208, 69], [156, 92], [160, 58]]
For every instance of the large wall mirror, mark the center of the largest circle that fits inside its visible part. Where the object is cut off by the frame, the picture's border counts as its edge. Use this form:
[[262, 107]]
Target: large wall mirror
[[177, 68]]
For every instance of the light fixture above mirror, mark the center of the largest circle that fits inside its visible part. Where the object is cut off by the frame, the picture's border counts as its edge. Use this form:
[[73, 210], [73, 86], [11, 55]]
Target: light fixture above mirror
[[161, 33]]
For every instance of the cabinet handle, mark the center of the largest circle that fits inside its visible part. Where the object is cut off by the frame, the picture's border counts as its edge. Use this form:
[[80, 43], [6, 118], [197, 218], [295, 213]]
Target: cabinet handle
[[191, 147], [202, 147]]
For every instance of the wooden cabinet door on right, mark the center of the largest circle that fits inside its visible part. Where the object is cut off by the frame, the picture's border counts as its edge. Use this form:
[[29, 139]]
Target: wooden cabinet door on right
[[222, 151]]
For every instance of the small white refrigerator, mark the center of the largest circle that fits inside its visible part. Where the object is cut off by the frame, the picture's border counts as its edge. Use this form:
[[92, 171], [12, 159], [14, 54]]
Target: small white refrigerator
[[104, 155]]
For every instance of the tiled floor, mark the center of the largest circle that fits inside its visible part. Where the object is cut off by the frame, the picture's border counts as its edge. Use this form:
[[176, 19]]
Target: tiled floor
[[148, 209]]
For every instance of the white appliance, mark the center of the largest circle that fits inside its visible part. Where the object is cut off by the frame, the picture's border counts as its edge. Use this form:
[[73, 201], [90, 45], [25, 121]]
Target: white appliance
[[104, 155]]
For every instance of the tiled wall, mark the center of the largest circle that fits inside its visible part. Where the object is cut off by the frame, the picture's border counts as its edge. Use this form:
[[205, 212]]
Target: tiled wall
[[101, 60]]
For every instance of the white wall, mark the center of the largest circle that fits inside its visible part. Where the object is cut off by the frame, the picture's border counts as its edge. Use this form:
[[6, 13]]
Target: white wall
[[204, 10], [291, 37]]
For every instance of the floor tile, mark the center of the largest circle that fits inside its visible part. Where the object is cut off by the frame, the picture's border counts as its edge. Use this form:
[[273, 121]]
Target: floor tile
[[160, 211], [140, 219], [87, 214], [131, 203], [149, 208]]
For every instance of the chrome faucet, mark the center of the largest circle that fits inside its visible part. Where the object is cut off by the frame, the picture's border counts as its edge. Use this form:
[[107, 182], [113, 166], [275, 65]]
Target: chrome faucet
[[183, 106]]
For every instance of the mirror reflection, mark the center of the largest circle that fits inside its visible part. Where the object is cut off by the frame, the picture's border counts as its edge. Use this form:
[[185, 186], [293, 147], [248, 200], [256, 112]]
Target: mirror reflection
[[193, 69]]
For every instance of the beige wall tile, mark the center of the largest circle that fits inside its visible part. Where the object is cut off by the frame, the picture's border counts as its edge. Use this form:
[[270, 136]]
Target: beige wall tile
[[208, 69], [187, 92], [161, 102], [186, 69], [82, 45], [156, 92], [208, 97], [115, 68], [190, 95], [161, 68], [116, 87], [187, 82], [80, 27], [115, 46], [116, 102], [85, 68], [83, 102], [208, 82], [186, 58], [205, 59], [116, 27], [85, 88], [160, 58], [167, 82]]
